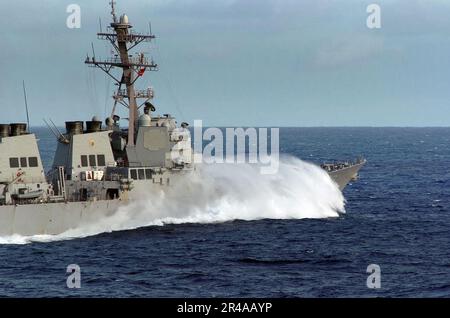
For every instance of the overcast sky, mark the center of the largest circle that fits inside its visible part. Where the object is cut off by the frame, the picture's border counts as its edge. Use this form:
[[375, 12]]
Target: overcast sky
[[239, 62]]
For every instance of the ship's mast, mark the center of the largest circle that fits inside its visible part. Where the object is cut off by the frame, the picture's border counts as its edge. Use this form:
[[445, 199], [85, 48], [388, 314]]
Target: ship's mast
[[123, 40]]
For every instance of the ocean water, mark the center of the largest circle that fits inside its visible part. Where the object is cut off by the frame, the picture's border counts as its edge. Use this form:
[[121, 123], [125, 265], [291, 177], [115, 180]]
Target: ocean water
[[396, 216]]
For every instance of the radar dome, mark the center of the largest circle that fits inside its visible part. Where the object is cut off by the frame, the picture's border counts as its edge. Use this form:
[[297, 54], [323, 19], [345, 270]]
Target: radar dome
[[109, 121], [124, 19]]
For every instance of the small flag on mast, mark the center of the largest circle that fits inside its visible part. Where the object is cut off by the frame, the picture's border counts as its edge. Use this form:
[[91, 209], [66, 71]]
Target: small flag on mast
[[141, 72]]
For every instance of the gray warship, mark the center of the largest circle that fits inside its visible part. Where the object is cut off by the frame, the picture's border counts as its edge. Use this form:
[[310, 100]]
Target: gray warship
[[100, 166]]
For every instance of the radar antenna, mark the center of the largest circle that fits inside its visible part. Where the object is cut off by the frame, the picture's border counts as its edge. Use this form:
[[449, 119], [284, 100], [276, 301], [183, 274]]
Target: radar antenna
[[133, 67], [113, 10]]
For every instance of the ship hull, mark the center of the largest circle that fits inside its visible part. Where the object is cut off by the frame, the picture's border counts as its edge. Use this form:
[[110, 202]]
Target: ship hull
[[57, 218], [53, 218], [344, 176]]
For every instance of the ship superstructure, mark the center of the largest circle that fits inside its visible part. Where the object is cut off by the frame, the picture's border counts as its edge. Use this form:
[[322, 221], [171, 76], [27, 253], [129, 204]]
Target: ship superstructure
[[22, 177], [99, 163]]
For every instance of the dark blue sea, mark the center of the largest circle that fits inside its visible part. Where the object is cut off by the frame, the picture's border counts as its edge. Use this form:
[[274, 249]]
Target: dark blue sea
[[397, 216]]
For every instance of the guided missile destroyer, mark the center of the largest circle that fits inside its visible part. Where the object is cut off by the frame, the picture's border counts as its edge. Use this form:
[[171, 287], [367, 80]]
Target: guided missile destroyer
[[100, 166]]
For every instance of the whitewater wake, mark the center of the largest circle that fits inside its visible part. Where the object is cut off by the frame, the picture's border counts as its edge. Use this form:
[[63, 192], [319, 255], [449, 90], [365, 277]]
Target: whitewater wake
[[220, 193]]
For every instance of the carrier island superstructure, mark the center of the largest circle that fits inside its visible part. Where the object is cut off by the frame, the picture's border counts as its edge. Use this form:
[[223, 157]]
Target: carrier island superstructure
[[100, 166]]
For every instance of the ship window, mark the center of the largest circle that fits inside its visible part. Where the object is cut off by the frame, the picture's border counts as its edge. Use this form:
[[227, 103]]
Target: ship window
[[133, 174], [14, 162], [112, 194], [92, 161], [33, 162], [141, 174], [84, 161], [23, 162], [83, 195], [148, 174], [101, 160]]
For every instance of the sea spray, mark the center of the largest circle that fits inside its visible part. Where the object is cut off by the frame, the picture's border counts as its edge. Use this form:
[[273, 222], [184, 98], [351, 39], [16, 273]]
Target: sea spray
[[220, 193]]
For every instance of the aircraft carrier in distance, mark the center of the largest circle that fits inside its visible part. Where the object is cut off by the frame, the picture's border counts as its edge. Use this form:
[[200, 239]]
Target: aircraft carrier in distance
[[99, 165]]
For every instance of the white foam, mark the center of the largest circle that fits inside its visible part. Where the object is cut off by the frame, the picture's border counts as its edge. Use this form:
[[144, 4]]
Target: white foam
[[220, 193]]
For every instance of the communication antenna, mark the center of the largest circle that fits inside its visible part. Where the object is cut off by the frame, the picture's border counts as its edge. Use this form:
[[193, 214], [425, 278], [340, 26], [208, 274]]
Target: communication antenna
[[26, 105], [56, 131], [51, 129], [113, 10], [93, 51]]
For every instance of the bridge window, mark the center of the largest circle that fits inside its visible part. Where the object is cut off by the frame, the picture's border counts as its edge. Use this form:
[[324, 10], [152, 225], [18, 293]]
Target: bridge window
[[112, 194], [148, 174], [84, 161], [101, 160], [33, 162], [141, 174], [133, 174], [14, 162], [23, 162], [92, 161]]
